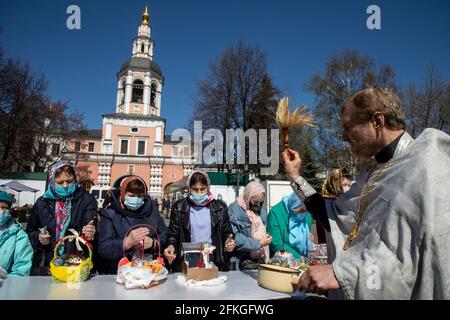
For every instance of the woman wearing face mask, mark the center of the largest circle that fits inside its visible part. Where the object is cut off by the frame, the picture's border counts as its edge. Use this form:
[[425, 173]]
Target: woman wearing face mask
[[289, 223], [199, 218], [65, 205], [16, 252], [130, 206], [248, 220]]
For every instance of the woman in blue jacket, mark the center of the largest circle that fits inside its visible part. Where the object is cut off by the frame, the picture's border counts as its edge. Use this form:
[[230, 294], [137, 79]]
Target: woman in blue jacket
[[16, 252], [130, 206], [248, 220]]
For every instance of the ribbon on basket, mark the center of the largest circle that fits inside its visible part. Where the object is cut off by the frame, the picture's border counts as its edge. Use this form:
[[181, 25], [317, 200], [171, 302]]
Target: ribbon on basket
[[78, 238]]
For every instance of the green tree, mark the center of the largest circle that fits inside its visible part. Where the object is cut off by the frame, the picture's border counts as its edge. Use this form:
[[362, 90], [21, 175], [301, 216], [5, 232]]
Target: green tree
[[303, 141], [22, 97], [427, 105], [345, 73], [237, 93], [31, 123]]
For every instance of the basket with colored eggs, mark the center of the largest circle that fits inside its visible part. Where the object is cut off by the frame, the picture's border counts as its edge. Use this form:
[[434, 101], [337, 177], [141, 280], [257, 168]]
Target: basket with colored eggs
[[72, 267]]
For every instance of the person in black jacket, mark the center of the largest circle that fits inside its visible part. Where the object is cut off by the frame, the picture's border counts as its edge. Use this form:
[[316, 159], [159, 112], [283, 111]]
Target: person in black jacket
[[199, 218], [64, 206], [167, 207], [130, 206]]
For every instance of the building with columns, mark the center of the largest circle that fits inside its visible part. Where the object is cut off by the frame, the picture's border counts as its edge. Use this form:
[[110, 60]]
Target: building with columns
[[132, 139]]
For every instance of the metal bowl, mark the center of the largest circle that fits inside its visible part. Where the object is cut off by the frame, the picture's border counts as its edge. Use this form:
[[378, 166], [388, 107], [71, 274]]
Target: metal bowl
[[278, 278]]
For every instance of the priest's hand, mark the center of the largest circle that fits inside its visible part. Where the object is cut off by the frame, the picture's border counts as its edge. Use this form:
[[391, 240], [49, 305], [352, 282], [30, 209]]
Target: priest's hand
[[292, 164], [318, 279]]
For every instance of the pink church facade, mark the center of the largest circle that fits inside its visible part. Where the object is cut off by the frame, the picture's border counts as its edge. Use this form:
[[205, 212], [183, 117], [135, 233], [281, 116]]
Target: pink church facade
[[132, 139]]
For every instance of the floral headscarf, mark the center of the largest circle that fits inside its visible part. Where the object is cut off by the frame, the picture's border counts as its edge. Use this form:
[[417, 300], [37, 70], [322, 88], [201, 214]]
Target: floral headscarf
[[63, 205], [332, 187]]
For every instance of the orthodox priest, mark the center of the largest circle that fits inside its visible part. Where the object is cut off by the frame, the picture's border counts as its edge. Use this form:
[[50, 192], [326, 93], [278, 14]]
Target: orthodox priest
[[390, 233]]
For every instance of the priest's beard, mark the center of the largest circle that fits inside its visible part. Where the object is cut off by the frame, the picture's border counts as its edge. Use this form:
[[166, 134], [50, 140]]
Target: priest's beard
[[367, 149]]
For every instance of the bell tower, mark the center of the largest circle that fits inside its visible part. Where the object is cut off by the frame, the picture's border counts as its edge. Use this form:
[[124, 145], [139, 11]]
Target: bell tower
[[140, 79], [142, 44]]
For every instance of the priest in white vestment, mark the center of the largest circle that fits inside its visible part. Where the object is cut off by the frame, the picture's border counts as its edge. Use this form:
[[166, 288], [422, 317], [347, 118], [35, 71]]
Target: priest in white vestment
[[390, 233]]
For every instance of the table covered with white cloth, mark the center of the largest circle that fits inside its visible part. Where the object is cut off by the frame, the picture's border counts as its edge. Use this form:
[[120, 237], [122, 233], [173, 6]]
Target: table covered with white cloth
[[239, 286]]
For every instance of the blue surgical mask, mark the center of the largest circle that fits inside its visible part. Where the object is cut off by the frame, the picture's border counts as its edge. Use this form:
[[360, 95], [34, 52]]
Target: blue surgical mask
[[298, 214], [65, 192], [133, 203], [5, 215], [199, 198]]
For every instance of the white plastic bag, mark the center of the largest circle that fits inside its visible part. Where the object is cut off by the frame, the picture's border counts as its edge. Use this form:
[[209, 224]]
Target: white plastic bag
[[133, 277], [205, 283]]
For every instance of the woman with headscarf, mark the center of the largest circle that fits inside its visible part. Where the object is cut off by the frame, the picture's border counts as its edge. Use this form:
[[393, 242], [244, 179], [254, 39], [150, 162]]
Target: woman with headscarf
[[199, 218], [248, 219], [16, 253], [289, 223], [65, 205], [337, 183], [129, 206]]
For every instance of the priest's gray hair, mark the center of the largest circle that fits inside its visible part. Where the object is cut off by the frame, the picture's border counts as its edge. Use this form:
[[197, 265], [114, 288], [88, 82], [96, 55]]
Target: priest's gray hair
[[384, 100]]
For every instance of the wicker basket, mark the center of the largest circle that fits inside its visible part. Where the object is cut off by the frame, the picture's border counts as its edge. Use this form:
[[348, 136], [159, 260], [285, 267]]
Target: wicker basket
[[149, 226], [126, 274], [71, 274]]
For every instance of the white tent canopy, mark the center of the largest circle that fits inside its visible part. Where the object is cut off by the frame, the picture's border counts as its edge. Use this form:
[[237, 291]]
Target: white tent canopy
[[16, 186]]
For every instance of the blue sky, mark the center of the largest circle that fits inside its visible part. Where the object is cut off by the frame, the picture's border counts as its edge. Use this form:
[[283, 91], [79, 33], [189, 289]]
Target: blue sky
[[298, 36]]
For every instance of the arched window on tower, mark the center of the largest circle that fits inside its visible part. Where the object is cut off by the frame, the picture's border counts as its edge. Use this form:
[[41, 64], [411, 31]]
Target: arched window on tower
[[122, 97], [138, 91], [153, 95], [142, 47]]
